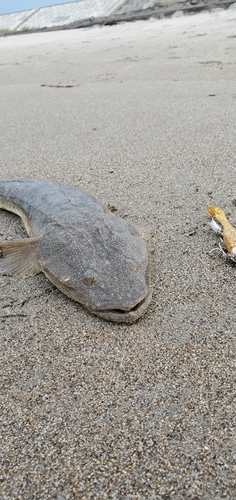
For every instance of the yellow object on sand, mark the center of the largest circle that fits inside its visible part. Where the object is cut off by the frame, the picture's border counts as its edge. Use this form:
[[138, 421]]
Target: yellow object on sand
[[227, 231]]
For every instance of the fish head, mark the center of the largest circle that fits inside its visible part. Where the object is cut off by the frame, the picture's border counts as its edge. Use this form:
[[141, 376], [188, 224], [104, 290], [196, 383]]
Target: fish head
[[104, 266]]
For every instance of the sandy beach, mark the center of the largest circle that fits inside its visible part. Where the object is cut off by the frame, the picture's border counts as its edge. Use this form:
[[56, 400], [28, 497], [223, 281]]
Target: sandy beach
[[142, 116]]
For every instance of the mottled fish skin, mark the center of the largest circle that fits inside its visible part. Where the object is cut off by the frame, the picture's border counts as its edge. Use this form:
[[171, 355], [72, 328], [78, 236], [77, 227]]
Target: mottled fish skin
[[91, 255]]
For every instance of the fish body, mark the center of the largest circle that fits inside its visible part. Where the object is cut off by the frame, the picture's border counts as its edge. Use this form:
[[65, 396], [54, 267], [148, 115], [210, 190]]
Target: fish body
[[224, 228], [91, 255]]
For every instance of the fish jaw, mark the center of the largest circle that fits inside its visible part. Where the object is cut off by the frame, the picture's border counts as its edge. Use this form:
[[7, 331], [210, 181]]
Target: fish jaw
[[124, 316]]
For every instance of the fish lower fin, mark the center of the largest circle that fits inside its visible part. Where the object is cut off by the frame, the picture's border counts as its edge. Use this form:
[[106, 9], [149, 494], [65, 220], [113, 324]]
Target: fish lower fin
[[20, 257]]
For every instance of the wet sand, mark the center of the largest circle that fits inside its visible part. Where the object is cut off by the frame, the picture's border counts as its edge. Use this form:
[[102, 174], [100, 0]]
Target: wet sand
[[142, 116]]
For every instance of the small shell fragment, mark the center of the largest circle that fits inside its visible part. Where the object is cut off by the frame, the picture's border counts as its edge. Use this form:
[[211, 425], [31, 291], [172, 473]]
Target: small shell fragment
[[233, 252], [216, 227]]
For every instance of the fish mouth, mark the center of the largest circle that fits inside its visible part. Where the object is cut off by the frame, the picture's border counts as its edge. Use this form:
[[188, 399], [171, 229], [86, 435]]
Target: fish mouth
[[126, 315]]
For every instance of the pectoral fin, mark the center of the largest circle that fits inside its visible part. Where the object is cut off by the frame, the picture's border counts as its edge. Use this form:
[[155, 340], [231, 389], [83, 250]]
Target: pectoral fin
[[20, 257]]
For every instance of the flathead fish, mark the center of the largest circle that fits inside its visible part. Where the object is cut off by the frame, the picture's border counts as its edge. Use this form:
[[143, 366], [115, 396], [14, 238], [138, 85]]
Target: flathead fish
[[91, 255]]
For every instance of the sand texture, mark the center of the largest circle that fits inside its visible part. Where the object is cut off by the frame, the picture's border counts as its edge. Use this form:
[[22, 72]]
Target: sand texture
[[143, 117]]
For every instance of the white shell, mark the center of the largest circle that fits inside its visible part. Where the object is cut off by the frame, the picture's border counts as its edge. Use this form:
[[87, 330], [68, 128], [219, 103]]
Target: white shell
[[216, 227], [233, 252]]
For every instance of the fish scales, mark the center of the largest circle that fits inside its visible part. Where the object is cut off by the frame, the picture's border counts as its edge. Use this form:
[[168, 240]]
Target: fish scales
[[91, 255]]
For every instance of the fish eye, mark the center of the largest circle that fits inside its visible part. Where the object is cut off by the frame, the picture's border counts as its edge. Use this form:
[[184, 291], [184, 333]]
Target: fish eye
[[89, 277]]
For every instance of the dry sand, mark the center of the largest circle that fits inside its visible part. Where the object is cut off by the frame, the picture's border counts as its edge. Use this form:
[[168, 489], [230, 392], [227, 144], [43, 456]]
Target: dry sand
[[93, 409]]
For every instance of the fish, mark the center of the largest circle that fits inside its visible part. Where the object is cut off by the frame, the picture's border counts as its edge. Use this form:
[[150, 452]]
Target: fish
[[91, 255], [224, 228]]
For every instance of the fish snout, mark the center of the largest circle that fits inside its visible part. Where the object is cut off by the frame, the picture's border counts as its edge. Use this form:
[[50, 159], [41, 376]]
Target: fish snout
[[132, 308], [126, 314]]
